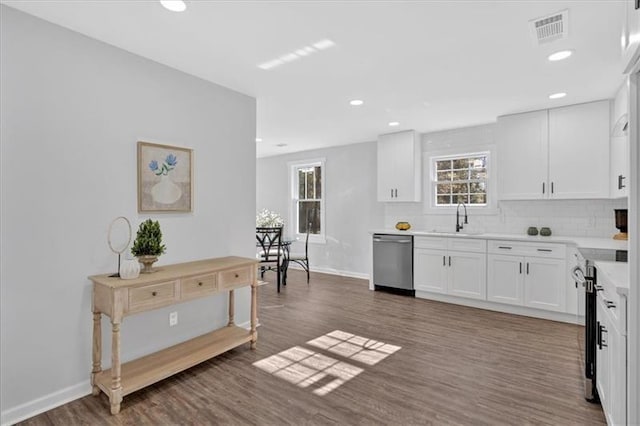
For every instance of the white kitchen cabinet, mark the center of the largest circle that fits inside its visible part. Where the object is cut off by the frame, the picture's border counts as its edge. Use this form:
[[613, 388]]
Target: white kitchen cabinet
[[467, 274], [630, 35], [440, 268], [522, 155], [399, 167], [620, 154], [527, 274], [579, 151], [544, 283], [603, 364], [430, 272], [505, 279], [561, 153]]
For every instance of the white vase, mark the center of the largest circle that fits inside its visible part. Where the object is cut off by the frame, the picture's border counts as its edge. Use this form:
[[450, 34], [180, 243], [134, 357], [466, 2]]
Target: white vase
[[129, 269], [166, 191]]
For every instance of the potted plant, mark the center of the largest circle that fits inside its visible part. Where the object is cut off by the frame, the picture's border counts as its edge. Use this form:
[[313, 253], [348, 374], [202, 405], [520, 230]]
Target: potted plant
[[148, 244]]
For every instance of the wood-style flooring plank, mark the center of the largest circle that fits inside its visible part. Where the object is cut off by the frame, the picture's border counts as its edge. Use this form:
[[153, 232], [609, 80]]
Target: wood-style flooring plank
[[456, 366]]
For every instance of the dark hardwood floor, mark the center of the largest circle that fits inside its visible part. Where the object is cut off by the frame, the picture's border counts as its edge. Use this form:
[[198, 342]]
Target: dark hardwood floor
[[426, 363]]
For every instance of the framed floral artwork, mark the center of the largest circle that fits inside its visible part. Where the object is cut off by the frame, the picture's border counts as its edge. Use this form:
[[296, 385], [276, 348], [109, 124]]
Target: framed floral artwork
[[165, 178]]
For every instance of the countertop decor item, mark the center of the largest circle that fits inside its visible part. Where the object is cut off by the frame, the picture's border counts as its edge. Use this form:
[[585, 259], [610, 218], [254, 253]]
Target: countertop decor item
[[165, 178], [148, 244], [403, 226], [621, 224], [533, 231], [119, 237], [268, 219], [545, 232]]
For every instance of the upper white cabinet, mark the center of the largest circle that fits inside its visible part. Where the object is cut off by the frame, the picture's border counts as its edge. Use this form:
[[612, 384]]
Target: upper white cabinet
[[562, 153], [579, 151], [620, 154], [522, 155], [631, 35], [399, 171]]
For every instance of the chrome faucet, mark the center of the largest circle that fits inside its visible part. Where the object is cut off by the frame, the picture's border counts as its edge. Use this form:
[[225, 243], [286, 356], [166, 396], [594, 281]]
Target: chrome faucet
[[458, 224]]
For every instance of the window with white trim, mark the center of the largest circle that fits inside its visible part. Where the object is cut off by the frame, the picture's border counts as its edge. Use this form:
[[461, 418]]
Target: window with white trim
[[307, 196], [460, 178]]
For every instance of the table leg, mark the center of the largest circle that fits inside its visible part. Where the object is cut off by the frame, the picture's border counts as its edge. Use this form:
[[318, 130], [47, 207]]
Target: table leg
[[97, 352], [254, 314], [232, 308], [115, 396]]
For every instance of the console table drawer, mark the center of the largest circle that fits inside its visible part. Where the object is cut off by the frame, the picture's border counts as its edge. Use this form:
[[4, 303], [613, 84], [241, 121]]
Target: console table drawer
[[234, 278], [152, 296], [198, 286]]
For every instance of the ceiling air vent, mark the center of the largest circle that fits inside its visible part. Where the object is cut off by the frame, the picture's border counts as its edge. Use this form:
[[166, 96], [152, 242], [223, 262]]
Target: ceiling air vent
[[551, 27]]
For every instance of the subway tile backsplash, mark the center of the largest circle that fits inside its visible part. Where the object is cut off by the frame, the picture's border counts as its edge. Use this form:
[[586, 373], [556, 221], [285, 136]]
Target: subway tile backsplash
[[584, 218]]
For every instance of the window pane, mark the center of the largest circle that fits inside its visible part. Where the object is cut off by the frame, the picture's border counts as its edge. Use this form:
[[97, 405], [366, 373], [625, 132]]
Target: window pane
[[444, 176], [460, 188], [301, 184], [478, 187], [309, 184], [461, 175], [478, 198], [443, 188], [309, 213], [318, 171], [461, 198], [478, 162], [443, 199], [443, 165], [461, 163], [478, 173]]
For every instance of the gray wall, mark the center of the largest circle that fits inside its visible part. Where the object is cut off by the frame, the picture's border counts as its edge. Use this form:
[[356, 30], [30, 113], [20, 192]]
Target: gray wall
[[350, 204], [72, 110]]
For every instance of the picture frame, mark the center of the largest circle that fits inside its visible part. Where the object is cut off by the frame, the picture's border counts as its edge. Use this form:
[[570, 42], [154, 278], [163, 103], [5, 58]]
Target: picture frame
[[165, 178]]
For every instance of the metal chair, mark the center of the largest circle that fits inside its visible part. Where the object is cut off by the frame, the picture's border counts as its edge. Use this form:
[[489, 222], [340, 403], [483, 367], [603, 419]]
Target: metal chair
[[270, 251], [302, 259]]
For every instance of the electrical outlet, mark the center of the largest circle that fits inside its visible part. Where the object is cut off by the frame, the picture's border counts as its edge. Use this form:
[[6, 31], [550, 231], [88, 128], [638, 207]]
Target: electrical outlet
[[173, 319]]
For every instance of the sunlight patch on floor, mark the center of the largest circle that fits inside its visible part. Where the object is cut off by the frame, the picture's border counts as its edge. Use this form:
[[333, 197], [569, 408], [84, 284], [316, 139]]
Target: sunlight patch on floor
[[309, 369]]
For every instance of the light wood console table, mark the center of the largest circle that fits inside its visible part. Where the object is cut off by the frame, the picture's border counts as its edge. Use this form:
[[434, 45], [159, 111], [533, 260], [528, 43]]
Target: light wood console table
[[171, 284]]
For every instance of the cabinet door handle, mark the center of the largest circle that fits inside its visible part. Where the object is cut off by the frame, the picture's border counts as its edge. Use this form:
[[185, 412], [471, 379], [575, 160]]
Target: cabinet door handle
[[543, 187], [609, 304], [598, 287], [552, 187], [620, 184], [505, 247], [600, 341], [547, 250], [527, 268], [520, 267], [392, 193], [444, 260], [396, 192], [449, 260]]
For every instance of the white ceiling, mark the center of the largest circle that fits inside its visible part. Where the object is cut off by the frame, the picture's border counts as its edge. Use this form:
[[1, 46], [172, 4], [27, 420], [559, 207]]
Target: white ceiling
[[430, 65]]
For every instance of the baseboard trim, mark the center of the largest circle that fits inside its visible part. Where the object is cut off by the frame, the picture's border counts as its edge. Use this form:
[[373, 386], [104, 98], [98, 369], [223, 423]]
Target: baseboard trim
[[45, 403], [499, 307], [337, 272]]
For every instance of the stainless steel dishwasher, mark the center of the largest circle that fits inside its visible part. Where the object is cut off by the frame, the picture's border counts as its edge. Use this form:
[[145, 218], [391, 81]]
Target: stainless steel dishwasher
[[393, 263]]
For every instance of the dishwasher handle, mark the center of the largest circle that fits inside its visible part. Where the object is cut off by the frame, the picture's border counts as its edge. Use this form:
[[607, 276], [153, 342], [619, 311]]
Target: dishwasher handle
[[381, 240]]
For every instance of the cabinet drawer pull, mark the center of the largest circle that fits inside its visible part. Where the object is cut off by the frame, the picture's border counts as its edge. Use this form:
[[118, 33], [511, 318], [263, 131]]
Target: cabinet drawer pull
[[601, 329], [154, 293], [505, 247], [609, 304], [620, 184], [552, 187], [543, 187], [547, 250], [520, 267], [444, 260], [598, 287], [527, 268], [449, 260]]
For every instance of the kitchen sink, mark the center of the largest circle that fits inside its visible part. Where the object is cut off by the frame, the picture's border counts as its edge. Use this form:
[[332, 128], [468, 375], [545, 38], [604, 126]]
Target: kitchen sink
[[449, 233]]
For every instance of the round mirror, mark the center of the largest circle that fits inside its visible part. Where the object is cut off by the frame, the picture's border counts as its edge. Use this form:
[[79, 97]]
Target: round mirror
[[119, 235]]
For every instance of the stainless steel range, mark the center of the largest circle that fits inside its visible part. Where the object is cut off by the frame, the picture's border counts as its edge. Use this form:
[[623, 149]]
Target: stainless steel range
[[585, 277]]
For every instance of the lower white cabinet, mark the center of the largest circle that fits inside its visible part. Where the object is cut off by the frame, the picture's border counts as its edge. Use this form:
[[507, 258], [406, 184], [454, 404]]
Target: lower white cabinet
[[446, 271], [527, 274]]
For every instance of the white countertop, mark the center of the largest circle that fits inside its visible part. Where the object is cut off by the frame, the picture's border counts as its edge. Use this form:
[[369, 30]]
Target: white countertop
[[580, 242], [617, 273]]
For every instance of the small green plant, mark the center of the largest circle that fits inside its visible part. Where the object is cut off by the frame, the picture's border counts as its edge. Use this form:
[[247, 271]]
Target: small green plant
[[148, 240]]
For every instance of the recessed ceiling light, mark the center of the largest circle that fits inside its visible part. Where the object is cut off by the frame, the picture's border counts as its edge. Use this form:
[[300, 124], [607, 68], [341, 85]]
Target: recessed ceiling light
[[281, 145], [558, 56], [356, 102], [557, 95], [394, 123], [258, 139], [174, 5]]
